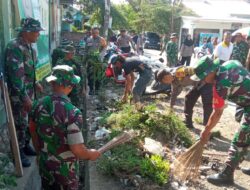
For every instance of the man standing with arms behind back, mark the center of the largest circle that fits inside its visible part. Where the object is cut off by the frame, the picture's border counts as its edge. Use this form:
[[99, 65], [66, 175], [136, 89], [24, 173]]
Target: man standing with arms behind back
[[124, 42], [20, 60], [95, 44], [224, 50]]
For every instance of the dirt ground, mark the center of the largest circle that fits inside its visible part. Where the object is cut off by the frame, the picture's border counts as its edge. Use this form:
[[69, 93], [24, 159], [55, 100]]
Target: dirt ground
[[227, 127]]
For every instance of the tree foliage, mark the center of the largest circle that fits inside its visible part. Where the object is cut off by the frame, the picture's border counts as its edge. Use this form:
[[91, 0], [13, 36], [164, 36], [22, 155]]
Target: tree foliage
[[140, 15]]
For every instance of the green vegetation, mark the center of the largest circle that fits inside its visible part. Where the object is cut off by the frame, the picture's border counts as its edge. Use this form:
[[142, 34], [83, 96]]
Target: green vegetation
[[198, 120], [139, 15], [151, 123], [156, 168], [6, 180], [129, 158]]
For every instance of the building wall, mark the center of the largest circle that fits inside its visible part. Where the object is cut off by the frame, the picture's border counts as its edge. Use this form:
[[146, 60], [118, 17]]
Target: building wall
[[10, 14], [6, 33], [194, 25]]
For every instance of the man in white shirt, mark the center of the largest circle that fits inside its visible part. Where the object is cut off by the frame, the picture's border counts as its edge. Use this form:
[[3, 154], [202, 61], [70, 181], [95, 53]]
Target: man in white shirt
[[224, 49]]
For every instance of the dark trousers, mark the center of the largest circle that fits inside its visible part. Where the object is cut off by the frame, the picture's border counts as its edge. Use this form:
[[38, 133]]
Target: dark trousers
[[126, 49], [94, 79], [141, 84], [186, 59], [191, 98], [56, 186]]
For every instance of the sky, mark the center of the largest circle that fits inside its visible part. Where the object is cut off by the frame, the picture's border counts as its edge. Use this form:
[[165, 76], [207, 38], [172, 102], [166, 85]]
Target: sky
[[117, 1]]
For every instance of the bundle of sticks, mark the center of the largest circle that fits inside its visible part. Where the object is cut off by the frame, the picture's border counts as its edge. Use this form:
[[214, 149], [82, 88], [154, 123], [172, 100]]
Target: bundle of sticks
[[186, 166], [124, 137]]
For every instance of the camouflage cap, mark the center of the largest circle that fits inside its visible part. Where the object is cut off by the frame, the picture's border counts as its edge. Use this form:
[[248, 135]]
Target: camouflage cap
[[30, 25], [205, 66], [173, 35], [69, 49], [66, 42], [63, 75]]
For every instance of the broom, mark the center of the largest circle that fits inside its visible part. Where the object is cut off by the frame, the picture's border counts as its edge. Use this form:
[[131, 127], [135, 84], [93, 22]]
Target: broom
[[186, 166], [124, 137]]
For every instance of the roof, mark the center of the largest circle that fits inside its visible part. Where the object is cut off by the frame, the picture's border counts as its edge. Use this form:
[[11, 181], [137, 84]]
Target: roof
[[224, 20], [223, 9]]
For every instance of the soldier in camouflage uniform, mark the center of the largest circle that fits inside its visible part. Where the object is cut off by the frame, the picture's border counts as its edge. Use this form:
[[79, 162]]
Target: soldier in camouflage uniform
[[231, 82], [20, 60], [75, 95], [172, 51], [55, 128], [58, 52], [240, 49], [179, 77]]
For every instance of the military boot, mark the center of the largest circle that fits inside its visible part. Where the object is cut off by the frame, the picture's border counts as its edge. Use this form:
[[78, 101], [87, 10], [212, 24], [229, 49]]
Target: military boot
[[246, 170], [226, 176], [29, 151], [25, 161]]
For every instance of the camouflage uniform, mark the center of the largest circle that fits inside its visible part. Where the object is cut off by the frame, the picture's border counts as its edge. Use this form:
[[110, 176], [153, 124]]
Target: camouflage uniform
[[233, 84], [58, 124], [240, 51], [75, 95], [58, 52], [172, 54], [20, 60], [57, 55]]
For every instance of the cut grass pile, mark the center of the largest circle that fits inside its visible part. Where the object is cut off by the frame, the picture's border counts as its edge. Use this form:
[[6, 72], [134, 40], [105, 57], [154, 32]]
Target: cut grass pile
[[129, 158]]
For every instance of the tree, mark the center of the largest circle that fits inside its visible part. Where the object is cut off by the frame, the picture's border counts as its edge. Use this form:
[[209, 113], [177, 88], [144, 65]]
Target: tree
[[107, 5]]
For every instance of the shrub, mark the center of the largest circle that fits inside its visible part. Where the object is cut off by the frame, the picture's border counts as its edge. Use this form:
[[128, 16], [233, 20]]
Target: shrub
[[156, 168]]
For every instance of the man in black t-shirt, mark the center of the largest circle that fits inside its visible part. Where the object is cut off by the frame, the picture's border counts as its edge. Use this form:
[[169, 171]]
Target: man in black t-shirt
[[131, 65]]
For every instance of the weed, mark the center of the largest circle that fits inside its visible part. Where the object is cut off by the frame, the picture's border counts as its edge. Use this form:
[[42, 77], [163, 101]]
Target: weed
[[156, 168], [150, 123], [128, 158], [6, 180], [198, 120]]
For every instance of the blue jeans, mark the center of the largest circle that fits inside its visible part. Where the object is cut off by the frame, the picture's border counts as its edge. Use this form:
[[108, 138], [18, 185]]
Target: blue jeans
[[141, 84]]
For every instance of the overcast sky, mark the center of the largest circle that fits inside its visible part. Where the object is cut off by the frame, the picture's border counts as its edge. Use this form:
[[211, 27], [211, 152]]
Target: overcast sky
[[117, 1]]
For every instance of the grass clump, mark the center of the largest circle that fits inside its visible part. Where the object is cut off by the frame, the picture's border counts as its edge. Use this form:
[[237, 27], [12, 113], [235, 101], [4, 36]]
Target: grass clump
[[156, 168], [129, 158], [151, 123], [7, 180], [124, 159]]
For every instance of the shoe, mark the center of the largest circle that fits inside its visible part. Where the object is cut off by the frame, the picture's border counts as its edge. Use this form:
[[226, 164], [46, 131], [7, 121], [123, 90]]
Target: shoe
[[29, 151], [226, 176], [25, 161], [246, 170]]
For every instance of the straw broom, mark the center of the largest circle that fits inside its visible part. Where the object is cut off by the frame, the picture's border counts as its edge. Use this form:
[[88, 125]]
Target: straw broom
[[186, 166], [124, 137]]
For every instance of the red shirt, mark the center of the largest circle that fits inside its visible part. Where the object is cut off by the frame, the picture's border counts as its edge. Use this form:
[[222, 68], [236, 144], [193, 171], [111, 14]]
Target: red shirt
[[218, 102]]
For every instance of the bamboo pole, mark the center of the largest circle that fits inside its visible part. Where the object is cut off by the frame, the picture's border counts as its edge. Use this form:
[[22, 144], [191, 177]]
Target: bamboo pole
[[12, 130]]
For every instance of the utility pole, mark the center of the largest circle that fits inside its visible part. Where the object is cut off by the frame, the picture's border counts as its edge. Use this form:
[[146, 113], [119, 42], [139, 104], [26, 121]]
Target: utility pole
[[172, 16], [106, 17]]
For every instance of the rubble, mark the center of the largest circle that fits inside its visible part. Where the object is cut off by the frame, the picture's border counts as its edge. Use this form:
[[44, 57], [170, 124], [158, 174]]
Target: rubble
[[153, 146]]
